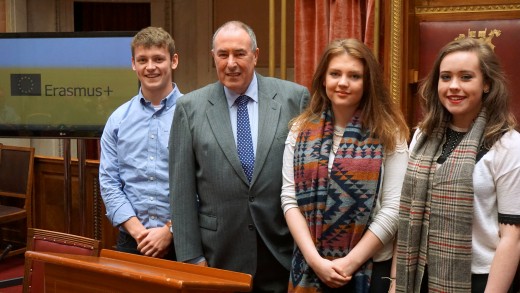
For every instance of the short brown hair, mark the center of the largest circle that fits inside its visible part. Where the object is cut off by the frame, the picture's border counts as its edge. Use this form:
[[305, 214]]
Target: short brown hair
[[153, 37]]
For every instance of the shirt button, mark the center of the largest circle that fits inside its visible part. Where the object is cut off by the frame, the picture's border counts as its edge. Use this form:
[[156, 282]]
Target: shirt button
[[152, 136], [151, 158], [151, 178], [251, 227], [152, 217], [151, 198], [251, 198]]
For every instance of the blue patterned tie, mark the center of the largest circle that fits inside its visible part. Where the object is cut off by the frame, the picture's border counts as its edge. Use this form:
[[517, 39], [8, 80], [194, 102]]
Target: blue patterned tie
[[244, 140]]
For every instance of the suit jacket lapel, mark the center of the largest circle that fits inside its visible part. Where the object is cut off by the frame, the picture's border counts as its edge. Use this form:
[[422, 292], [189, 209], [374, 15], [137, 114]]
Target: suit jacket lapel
[[220, 123], [268, 116]]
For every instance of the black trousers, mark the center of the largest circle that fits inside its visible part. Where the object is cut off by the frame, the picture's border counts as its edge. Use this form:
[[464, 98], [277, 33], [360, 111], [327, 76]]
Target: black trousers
[[478, 283], [380, 270], [126, 243]]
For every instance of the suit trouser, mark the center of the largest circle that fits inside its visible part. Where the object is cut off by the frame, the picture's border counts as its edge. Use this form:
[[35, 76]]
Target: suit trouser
[[270, 275]]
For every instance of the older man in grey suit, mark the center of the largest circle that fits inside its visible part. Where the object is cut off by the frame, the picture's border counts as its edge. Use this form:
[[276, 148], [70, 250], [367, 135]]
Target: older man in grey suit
[[225, 196]]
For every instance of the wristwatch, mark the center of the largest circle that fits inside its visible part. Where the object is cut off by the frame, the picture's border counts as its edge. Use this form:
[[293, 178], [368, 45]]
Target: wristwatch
[[169, 224]]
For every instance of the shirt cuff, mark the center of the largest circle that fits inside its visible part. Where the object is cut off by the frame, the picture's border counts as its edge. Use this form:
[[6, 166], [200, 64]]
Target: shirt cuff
[[196, 260], [122, 214]]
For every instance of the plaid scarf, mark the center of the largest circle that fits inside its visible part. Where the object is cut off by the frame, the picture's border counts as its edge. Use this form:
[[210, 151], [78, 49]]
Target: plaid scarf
[[337, 207], [436, 214]]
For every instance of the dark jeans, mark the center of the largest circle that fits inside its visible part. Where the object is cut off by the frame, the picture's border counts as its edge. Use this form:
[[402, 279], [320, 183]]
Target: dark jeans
[[126, 243]]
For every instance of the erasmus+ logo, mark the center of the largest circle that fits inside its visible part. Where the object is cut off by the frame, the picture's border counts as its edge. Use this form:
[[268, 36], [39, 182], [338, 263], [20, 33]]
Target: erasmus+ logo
[[31, 85], [26, 85]]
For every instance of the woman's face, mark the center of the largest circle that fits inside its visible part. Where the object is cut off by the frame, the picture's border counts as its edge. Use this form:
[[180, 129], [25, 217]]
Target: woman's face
[[461, 85], [344, 83]]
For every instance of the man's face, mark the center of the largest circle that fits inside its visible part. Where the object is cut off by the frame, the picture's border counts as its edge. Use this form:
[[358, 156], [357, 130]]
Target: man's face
[[154, 67], [234, 59]]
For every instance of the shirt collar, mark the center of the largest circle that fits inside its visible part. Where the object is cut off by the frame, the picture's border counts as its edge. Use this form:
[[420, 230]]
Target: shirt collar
[[252, 92], [170, 100]]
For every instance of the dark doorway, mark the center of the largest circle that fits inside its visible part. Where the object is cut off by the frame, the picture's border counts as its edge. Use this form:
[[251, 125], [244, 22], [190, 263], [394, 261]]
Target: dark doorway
[[103, 16]]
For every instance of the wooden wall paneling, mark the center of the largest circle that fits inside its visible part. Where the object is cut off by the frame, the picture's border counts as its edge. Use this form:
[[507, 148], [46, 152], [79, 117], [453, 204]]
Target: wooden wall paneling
[[461, 3], [3, 15], [41, 15], [100, 226], [49, 203], [16, 16], [397, 39], [502, 9], [193, 43]]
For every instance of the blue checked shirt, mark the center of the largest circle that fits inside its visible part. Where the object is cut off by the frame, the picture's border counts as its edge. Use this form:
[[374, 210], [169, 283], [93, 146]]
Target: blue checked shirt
[[133, 170]]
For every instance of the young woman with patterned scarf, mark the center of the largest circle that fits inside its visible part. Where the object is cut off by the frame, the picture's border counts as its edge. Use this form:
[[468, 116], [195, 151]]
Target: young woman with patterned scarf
[[344, 164], [460, 206]]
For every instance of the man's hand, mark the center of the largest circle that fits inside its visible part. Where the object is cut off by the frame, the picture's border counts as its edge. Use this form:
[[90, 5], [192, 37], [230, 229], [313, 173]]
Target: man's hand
[[156, 243]]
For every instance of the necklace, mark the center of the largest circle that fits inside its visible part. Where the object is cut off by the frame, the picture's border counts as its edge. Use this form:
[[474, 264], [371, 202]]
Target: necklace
[[453, 138]]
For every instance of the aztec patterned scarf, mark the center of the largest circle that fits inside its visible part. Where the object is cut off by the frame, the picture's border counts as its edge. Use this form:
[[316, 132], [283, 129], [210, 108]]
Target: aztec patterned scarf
[[436, 214], [338, 207]]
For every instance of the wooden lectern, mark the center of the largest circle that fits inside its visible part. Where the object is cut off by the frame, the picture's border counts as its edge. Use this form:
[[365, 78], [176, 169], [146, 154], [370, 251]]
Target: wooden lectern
[[115, 271]]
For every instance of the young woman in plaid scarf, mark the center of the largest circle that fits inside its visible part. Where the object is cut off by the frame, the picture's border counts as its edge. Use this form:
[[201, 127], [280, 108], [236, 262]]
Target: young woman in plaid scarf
[[460, 206]]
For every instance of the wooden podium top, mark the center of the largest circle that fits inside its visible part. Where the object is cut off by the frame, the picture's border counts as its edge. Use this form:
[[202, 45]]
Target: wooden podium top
[[135, 271]]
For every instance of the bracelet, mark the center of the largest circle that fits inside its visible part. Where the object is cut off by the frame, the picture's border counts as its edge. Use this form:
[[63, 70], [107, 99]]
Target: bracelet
[[389, 278], [392, 283]]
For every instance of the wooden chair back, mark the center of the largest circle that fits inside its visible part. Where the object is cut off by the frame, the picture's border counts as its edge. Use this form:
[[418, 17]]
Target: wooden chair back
[[16, 184], [51, 241]]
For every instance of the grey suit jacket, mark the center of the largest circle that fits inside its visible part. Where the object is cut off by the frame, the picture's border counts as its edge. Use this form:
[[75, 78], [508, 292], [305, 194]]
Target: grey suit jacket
[[215, 212]]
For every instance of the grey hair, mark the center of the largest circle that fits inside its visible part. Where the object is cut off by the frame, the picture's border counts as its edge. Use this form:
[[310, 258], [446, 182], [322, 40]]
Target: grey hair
[[237, 24]]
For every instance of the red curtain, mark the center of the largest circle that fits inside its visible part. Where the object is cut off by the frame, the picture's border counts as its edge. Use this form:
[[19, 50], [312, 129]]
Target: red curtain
[[319, 22]]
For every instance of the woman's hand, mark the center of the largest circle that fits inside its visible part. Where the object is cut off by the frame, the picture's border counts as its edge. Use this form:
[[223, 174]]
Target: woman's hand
[[330, 273]]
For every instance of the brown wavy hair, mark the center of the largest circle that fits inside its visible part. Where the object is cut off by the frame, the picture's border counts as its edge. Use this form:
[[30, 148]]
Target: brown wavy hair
[[380, 113], [496, 101]]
